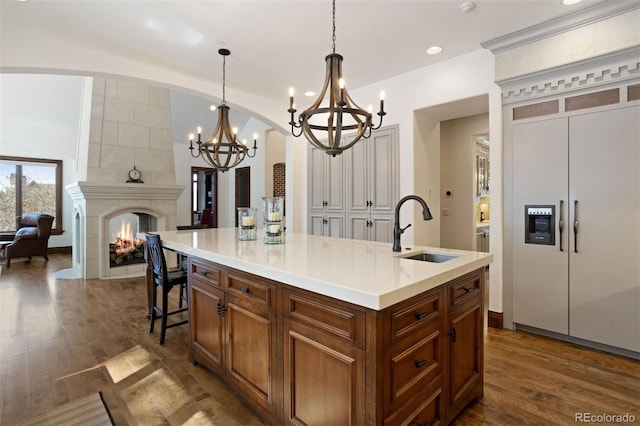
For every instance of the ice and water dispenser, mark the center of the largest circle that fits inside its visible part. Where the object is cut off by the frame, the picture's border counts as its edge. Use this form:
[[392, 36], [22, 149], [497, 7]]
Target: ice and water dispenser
[[539, 224]]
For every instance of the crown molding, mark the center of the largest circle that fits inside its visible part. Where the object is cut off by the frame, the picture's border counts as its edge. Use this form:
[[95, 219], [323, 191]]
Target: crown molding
[[600, 70], [561, 24]]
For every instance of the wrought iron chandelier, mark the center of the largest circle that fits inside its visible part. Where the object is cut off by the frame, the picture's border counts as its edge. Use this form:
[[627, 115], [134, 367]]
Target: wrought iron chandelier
[[338, 114], [222, 150]]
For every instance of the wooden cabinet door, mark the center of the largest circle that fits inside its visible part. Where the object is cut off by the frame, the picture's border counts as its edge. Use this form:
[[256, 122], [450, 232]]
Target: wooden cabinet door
[[323, 379], [250, 355], [205, 325], [465, 356]]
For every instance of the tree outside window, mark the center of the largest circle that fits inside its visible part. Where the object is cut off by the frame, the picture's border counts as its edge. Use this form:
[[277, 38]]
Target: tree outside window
[[30, 185]]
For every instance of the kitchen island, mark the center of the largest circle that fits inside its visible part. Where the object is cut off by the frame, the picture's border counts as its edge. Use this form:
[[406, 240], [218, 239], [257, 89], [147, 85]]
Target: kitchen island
[[323, 330]]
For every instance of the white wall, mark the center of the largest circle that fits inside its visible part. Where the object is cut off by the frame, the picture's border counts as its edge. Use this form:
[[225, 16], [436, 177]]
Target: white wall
[[41, 116]]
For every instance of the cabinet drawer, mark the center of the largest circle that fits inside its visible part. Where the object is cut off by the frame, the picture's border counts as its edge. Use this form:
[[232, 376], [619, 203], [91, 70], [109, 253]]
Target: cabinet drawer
[[326, 315], [465, 288], [205, 272], [413, 366], [426, 408], [416, 314], [249, 287]]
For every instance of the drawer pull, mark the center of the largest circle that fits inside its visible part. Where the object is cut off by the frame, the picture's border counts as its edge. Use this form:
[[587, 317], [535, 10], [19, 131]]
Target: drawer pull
[[244, 289], [467, 289], [421, 363], [204, 274], [421, 315]]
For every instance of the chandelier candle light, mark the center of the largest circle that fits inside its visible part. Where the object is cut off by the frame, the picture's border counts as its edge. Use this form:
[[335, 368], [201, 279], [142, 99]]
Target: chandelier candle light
[[222, 150], [341, 114]]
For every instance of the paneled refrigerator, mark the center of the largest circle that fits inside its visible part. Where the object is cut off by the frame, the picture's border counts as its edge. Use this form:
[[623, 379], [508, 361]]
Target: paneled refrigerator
[[581, 170]]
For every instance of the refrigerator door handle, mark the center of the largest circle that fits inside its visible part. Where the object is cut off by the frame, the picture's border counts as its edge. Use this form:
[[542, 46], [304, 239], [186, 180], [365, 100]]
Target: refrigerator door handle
[[575, 226], [561, 223]]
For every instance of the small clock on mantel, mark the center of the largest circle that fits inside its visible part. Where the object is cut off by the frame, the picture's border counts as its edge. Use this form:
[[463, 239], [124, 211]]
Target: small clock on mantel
[[135, 176]]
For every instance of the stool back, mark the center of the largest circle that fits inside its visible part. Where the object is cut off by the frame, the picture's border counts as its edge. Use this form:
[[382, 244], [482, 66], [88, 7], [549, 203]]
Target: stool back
[[158, 261]]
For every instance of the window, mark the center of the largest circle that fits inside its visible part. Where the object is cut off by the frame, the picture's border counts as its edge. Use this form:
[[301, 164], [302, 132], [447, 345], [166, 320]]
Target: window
[[30, 185]]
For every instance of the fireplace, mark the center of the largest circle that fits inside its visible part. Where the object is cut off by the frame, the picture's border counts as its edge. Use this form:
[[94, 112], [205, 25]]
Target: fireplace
[[99, 209], [125, 248]]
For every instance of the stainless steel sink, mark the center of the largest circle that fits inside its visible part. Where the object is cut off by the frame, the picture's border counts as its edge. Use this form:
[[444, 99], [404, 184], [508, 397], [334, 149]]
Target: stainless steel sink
[[430, 257]]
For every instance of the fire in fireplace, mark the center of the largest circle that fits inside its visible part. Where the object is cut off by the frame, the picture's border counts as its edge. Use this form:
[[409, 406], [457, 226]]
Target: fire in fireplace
[[125, 248]]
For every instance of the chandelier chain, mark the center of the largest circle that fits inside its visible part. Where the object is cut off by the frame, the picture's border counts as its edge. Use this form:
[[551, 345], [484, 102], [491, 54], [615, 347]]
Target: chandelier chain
[[334, 26]]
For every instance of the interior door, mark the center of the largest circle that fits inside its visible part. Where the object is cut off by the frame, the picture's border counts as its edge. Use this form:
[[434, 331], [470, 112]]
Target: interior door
[[605, 263], [540, 277], [243, 189]]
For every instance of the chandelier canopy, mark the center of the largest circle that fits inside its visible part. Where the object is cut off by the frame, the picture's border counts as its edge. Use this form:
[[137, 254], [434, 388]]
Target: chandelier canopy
[[334, 112], [222, 150]]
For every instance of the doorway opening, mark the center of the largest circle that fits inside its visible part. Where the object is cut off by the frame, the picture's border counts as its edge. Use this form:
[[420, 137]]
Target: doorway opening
[[204, 196]]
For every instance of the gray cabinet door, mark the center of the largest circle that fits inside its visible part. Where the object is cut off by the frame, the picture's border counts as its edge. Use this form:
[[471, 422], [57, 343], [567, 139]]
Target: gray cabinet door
[[604, 273], [383, 174], [540, 287]]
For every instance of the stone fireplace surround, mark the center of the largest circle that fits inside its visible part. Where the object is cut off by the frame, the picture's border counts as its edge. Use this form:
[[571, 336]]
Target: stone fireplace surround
[[94, 204]]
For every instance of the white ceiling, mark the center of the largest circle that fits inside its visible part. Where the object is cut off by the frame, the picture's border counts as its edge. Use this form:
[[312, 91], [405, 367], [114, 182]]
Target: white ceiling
[[276, 43]]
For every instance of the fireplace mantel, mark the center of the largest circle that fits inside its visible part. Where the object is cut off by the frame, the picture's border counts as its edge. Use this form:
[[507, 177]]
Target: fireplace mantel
[[95, 203], [122, 191]]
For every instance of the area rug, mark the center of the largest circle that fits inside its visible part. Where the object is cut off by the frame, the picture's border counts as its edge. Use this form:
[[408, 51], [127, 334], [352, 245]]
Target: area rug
[[87, 411]]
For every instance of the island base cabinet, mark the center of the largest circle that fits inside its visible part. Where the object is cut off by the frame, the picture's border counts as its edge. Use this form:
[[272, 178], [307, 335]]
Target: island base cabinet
[[465, 342], [301, 358]]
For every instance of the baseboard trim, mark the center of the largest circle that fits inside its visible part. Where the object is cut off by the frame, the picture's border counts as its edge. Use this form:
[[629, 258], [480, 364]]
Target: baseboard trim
[[59, 250], [495, 319]]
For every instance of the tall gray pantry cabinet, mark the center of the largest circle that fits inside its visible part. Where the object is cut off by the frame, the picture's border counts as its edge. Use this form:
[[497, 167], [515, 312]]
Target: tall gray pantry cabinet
[[579, 156]]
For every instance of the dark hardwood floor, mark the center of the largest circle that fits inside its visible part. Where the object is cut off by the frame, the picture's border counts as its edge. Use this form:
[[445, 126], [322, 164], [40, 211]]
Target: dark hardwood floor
[[64, 339]]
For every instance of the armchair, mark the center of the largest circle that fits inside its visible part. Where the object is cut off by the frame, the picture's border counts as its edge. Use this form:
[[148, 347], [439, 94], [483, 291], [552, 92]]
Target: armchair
[[205, 220], [31, 237]]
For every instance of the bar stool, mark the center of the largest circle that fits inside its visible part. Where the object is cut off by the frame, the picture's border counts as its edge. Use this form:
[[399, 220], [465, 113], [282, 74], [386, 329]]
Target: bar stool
[[164, 280]]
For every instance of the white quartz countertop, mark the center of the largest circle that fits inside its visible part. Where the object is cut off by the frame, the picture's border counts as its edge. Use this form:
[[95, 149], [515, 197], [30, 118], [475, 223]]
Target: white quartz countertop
[[365, 273]]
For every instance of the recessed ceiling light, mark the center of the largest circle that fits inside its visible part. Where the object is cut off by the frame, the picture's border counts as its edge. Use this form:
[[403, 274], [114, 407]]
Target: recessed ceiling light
[[467, 6], [309, 93], [434, 50], [570, 2]]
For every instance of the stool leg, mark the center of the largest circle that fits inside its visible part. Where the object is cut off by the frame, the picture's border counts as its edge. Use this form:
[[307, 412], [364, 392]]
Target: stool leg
[[154, 304], [165, 309]]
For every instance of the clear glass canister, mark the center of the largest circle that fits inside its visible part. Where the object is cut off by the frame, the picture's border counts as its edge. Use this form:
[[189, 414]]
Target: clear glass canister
[[273, 217], [247, 226]]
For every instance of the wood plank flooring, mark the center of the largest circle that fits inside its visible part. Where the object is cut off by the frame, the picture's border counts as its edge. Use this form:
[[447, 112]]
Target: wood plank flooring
[[63, 339]]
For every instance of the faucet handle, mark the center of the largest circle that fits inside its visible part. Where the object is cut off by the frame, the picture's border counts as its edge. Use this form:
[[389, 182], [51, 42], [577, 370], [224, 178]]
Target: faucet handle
[[404, 229]]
